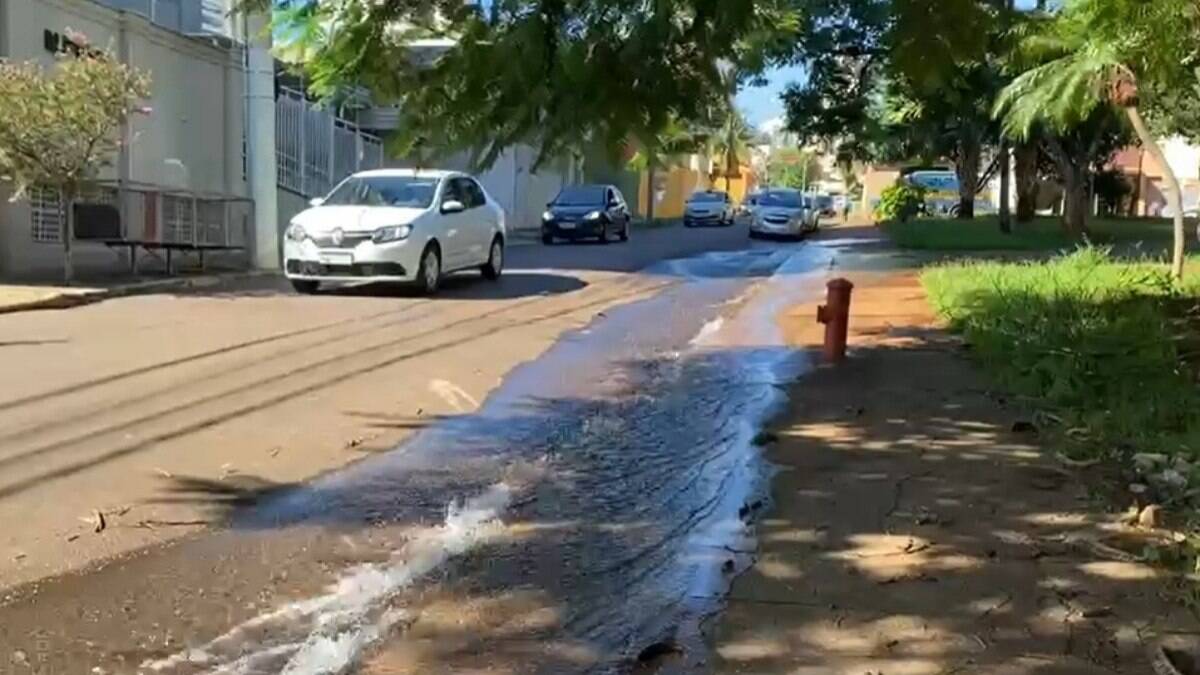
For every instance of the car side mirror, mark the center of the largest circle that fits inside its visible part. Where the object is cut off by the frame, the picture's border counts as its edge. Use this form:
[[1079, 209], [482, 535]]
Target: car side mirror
[[453, 206], [316, 201]]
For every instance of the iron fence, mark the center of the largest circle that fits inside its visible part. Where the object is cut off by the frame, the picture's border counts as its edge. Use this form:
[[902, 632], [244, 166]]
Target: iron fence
[[315, 148], [158, 215]]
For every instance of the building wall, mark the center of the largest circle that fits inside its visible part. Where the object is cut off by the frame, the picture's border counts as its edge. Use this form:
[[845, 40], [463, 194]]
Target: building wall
[[677, 184], [1137, 165], [513, 182], [191, 139], [875, 181]]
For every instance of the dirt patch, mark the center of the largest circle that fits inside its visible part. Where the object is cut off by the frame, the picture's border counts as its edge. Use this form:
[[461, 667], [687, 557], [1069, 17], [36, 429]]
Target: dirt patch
[[913, 531]]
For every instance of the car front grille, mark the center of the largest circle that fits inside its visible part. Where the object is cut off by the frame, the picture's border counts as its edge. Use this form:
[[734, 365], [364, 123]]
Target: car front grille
[[349, 240]]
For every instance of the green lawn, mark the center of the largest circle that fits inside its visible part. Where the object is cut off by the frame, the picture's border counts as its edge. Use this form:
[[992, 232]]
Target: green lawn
[[1106, 347], [1042, 234]]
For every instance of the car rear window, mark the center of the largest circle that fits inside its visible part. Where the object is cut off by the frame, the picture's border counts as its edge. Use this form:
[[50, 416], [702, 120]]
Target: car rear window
[[782, 199], [582, 195], [707, 197]]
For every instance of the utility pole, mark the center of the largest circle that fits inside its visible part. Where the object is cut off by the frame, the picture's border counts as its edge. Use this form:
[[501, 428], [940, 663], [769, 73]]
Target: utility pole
[[260, 140]]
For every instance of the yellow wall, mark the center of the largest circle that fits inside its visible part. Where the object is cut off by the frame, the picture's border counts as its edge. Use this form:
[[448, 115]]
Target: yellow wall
[[679, 183]]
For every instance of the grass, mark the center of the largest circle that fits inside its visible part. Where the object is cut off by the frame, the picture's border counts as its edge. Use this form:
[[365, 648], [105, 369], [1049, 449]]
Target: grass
[[1103, 347], [1042, 234]]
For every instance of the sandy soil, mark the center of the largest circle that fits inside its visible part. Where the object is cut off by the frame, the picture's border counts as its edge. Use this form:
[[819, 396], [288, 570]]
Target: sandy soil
[[912, 532]]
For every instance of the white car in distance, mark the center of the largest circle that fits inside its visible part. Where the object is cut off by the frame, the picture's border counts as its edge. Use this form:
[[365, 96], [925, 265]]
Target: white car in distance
[[396, 225]]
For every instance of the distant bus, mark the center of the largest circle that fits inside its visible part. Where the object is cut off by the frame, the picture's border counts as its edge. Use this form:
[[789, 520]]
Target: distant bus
[[941, 191]]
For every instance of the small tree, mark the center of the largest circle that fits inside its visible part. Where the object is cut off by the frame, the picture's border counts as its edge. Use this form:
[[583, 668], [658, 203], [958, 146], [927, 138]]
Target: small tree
[[59, 127], [790, 167], [1100, 52]]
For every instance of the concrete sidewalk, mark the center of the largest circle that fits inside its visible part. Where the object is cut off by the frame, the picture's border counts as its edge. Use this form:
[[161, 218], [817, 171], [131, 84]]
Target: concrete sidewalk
[[29, 297], [913, 532]]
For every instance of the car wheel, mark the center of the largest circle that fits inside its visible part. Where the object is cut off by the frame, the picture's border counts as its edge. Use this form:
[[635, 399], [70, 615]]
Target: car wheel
[[429, 275], [547, 240], [625, 232], [306, 286], [604, 233], [495, 264]]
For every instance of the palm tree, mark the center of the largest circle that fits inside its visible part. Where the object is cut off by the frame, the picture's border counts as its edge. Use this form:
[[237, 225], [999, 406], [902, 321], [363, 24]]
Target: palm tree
[[660, 150], [1094, 53], [731, 142]]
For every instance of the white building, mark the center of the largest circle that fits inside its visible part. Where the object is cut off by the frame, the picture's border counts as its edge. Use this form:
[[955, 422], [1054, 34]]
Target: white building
[[191, 144]]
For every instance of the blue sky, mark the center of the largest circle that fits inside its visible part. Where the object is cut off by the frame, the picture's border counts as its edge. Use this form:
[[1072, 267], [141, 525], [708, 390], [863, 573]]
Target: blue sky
[[761, 104]]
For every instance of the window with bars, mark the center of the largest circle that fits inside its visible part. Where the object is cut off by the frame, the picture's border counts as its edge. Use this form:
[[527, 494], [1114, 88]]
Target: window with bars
[[45, 214]]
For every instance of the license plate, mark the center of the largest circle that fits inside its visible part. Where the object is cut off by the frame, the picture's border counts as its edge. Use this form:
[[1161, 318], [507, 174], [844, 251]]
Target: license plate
[[341, 259], [566, 226]]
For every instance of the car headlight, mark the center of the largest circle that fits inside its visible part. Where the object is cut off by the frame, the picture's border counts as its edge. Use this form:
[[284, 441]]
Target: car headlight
[[296, 232], [391, 233], [594, 215], [549, 215]]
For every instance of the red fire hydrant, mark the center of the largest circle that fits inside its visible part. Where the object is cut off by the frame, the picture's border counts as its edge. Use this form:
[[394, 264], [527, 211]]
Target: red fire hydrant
[[835, 314]]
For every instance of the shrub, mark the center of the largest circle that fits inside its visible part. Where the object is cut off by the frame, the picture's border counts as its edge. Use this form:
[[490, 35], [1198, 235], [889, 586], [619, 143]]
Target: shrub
[[900, 202], [1094, 341]]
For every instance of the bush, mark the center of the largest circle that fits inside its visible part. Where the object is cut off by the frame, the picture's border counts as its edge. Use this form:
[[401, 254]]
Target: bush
[[900, 202], [1093, 341]]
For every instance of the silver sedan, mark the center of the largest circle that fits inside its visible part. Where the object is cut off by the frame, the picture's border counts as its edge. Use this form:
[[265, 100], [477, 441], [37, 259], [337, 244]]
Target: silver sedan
[[781, 212]]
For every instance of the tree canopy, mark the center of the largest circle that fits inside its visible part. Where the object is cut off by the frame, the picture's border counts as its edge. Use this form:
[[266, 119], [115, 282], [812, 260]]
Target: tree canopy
[[552, 73]]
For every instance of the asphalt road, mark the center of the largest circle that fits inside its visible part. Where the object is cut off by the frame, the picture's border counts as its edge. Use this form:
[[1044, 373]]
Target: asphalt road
[[160, 412]]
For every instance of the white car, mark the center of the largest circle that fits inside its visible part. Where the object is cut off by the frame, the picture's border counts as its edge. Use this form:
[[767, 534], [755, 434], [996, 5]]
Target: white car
[[780, 212], [396, 225], [708, 208]]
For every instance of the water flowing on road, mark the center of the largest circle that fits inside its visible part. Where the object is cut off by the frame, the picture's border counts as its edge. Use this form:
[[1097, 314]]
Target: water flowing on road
[[625, 455]]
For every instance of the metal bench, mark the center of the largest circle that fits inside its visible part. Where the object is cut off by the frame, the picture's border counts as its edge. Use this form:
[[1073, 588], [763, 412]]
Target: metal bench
[[154, 219]]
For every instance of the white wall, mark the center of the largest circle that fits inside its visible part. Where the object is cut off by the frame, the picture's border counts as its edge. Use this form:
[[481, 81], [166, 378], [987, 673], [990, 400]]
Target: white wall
[[196, 118], [512, 182], [1183, 157]]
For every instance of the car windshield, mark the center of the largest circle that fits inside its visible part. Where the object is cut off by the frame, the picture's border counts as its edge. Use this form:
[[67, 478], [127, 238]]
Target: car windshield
[[401, 191], [790, 200], [585, 195], [707, 197], [825, 201]]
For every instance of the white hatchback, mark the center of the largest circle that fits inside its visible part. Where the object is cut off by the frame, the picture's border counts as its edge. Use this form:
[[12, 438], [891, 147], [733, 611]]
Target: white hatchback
[[396, 225]]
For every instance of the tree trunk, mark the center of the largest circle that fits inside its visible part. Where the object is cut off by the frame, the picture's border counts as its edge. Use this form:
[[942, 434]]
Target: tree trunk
[[966, 167], [1005, 216], [1074, 171], [650, 187], [1025, 158], [1137, 185], [66, 206], [1075, 202], [1174, 193]]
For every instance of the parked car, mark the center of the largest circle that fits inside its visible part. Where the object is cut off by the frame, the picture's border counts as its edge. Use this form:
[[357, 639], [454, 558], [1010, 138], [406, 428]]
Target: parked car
[[744, 213], [825, 206], [396, 225], [782, 212], [586, 211], [708, 208]]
